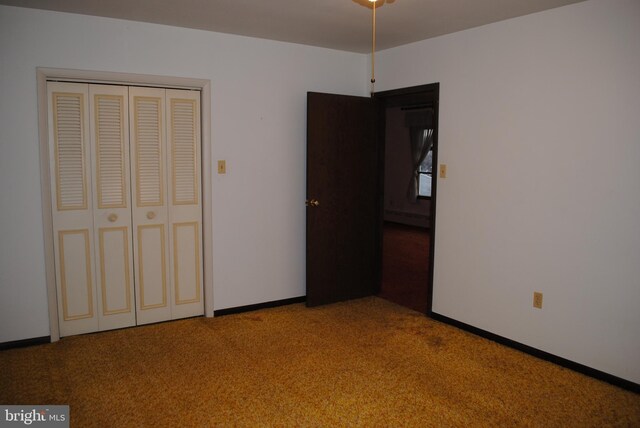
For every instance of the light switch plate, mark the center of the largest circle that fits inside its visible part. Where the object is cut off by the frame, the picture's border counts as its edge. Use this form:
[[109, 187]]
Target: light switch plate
[[443, 170], [222, 167], [537, 300]]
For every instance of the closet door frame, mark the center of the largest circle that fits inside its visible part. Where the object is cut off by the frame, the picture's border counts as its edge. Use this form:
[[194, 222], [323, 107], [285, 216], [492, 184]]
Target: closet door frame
[[55, 74]]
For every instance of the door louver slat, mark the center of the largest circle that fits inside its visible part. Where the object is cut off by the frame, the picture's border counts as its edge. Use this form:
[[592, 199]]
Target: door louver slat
[[110, 143], [184, 140], [69, 147], [149, 155]]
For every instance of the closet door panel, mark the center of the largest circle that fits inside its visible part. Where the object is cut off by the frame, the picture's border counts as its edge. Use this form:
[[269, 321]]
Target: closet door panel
[[76, 278], [116, 294], [72, 216], [150, 211], [185, 208], [152, 267], [112, 210], [186, 264]]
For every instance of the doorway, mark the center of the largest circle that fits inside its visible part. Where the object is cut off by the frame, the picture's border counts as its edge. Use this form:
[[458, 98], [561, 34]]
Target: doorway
[[409, 134], [345, 188]]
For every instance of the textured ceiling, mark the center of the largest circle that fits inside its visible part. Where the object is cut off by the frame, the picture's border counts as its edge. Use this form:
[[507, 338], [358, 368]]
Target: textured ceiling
[[336, 24]]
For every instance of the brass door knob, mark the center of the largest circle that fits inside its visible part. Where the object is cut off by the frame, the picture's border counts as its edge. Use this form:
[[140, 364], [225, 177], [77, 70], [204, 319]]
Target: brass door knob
[[312, 202], [112, 217], [151, 215]]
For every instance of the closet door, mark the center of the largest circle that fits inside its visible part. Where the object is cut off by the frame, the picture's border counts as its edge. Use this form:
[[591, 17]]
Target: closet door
[[112, 210], [149, 200], [185, 209], [72, 215]]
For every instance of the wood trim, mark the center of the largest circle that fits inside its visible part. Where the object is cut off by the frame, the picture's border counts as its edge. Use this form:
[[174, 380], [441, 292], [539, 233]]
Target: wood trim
[[47, 206], [207, 162], [116, 78], [423, 95], [25, 343], [255, 307], [43, 74], [434, 195], [381, 116], [413, 93], [572, 365]]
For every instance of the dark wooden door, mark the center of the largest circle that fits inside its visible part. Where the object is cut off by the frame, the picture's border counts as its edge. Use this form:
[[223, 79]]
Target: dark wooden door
[[342, 198]]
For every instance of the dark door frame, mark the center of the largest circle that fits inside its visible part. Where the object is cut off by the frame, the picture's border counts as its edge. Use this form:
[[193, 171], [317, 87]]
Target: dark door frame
[[423, 95]]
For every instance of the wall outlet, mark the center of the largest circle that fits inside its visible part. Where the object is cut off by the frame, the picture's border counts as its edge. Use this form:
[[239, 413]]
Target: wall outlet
[[537, 300]]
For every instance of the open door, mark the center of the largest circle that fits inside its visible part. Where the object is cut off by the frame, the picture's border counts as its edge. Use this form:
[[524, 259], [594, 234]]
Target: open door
[[342, 198]]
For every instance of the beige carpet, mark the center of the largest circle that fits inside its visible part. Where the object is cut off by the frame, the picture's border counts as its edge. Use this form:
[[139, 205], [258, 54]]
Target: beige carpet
[[362, 363]]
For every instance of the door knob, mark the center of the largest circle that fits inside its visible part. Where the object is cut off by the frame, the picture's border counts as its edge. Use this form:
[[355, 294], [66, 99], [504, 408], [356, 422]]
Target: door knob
[[312, 202], [151, 215], [112, 217]]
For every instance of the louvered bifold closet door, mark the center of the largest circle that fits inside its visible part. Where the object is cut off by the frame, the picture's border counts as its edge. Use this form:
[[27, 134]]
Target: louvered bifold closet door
[[150, 208], [185, 207], [112, 208], [70, 155]]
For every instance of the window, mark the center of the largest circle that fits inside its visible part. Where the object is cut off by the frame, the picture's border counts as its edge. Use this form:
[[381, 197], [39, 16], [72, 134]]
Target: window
[[425, 172]]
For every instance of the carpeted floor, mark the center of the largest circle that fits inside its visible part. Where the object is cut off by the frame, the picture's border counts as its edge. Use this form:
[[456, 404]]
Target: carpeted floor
[[367, 362]]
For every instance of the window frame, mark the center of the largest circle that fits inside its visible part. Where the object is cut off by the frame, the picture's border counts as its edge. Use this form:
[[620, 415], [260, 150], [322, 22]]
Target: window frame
[[430, 174]]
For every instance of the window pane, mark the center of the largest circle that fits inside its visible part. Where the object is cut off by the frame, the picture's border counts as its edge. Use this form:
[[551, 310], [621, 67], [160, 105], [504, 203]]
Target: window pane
[[424, 185], [426, 165]]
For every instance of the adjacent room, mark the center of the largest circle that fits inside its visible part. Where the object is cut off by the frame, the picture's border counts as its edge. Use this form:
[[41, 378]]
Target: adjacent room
[[409, 147], [332, 213]]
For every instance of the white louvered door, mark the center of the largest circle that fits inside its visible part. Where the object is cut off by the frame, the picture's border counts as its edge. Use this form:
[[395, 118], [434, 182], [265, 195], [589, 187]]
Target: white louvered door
[[150, 209], [112, 208], [167, 214], [185, 210], [69, 146], [126, 200]]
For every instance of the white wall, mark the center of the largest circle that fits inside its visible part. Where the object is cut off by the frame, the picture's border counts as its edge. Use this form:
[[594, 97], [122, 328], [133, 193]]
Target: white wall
[[539, 128], [258, 125]]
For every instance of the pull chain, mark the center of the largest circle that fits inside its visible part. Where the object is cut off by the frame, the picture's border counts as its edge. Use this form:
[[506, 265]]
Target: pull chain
[[373, 50]]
